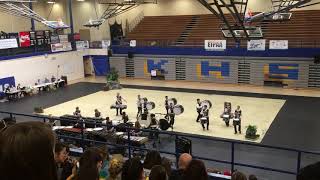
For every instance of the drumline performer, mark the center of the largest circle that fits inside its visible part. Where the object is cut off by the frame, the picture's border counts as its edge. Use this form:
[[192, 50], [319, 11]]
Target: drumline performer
[[77, 112], [237, 120], [199, 108], [125, 117], [166, 104], [205, 114], [171, 115], [119, 103], [139, 105], [97, 114]]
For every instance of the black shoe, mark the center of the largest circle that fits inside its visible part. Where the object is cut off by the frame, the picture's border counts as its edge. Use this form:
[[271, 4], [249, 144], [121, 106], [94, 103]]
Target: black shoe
[[235, 132], [204, 129]]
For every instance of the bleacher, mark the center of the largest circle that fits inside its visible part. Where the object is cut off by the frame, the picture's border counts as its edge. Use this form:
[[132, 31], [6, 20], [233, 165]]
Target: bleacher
[[302, 30]]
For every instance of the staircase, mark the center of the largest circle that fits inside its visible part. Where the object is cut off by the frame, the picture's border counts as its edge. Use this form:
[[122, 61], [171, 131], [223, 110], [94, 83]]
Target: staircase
[[180, 69], [129, 67], [187, 30], [314, 75], [244, 72]]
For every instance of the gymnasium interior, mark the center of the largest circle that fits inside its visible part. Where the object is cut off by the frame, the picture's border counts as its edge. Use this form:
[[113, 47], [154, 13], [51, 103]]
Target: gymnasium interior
[[249, 67]]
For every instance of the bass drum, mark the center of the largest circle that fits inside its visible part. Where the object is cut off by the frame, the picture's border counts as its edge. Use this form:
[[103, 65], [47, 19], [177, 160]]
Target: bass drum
[[173, 101], [178, 109], [207, 103], [164, 125], [150, 105]]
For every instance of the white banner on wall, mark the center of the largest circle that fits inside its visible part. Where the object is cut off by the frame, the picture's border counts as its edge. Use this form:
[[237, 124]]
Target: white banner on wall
[[105, 44], [133, 43], [8, 43], [58, 47], [81, 45], [256, 45], [215, 45], [278, 44], [63, 38]]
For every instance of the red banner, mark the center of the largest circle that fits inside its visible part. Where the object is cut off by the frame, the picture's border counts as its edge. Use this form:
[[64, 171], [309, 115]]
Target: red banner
[[24, 38]]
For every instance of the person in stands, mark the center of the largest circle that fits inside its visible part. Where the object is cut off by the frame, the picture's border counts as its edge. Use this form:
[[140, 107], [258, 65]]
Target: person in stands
[[238, 176], [158, 172], [64, 163], [196, 170], [183, 163], [310, 172], [27, 152], [152, 158]]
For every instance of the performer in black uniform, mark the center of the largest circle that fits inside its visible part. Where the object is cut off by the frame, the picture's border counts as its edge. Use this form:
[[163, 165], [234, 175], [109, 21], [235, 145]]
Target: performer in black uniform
[[153, 121], [205, 114], [171, 114], [119, 103], [125, 117], [77, 112], [199, 108], [166, 104], [139, 105], [97, 114], [237, 120]]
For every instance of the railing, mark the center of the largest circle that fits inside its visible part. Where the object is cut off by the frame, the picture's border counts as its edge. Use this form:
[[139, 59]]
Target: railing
[[235, 147]]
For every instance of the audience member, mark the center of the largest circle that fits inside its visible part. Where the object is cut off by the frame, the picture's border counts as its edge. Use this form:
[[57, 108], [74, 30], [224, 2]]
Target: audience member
[[27, 152], [152, 158], [166, 163], [115, 167], [196, 170], [238, 176], [252, 177], [133, 170], [103, 151], [183, 163], [90, 166], [64, 164], [158, 172], [310, 172]]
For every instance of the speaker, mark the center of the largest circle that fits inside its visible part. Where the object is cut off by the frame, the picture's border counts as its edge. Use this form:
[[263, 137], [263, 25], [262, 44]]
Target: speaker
[[130, 55], [316, 59]]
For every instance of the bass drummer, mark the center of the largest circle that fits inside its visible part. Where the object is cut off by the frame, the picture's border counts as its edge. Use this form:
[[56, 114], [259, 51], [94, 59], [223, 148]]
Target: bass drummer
[[119, 103], [205, 115], [139, 105]]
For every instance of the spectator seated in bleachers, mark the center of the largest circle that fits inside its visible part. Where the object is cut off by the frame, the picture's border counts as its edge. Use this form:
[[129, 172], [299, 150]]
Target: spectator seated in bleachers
[[64, 163], [252, 177], [158, 172], [115, 167], [195, 170], [238, 176], [133, 170], [310, 172], [183, 163], [27, 152], [152, 158]]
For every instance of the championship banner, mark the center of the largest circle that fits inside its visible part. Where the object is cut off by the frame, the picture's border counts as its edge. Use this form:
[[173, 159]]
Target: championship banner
[[105, 44], [63, 38], [59, 47], [24, 39], [256, 45], [81, 45], [215, 45], [278, 44], [8, 43]]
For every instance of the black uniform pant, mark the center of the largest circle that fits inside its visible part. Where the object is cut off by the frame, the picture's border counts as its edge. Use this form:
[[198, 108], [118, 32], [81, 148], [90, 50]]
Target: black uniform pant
[[118, 111], [206, 123], [235, 124], [171, 119], [167, 109], [199, 116], [139, 111]]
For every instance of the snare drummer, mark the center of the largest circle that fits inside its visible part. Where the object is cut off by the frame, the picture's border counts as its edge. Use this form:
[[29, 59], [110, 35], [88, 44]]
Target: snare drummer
[[237, 120], [171, 114], [139, 105], [205, 114], [199, 108]]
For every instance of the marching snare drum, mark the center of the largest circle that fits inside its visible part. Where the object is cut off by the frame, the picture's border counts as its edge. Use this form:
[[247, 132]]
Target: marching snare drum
[[203, 120], [151, 105], [207, 103], [178, 109], [121, 106], [173, 101]]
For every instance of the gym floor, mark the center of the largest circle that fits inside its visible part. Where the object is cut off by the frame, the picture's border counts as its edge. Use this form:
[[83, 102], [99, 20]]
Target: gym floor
[[296, 125]]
